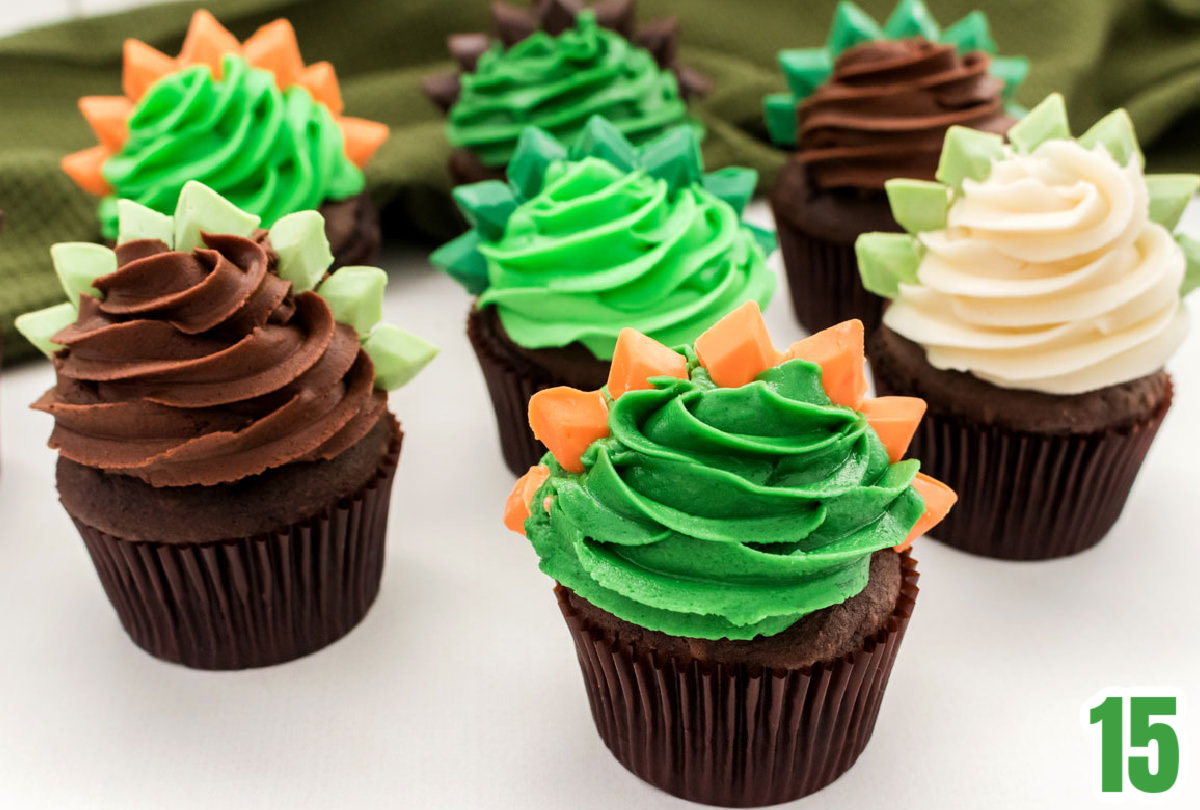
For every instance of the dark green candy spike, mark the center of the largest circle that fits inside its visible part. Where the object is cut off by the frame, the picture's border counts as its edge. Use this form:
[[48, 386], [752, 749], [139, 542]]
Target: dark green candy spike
[[674, 157], [805, 69], [851, 26], [765, 239], [461, 259], [487, 206], [910, 19], [602, 140], [733, 184], [536, 150], [971, 33], [1012, 70]]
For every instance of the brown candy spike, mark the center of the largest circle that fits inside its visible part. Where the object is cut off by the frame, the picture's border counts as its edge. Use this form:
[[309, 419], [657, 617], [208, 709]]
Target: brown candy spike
[[617, 15], [661, 38], [556, 16], [442, 89], [466, 49], [513, 24]]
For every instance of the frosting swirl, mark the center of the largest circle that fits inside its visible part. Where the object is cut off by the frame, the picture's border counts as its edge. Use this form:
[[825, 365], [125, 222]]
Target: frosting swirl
[[557, 83], [205, 368], [1050, 276], [599, 249], [724, 512], [885, 110]]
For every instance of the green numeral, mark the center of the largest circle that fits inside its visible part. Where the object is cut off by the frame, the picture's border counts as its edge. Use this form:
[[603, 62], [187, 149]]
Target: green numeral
[[1142, 734], [1108, 715]]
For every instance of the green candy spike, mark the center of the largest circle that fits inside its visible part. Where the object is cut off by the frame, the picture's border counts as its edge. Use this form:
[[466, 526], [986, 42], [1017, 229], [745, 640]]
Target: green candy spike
[[398, 355], [674, 157], [971, 33], [601, 139], [1191, 252], [38, 327], [136, 221], [1012, 70], [1115, 133], [918, 205], [763, 238], [303, 249], [1169, 196], [536, 150], [355, 296], [732, 184], [805, 69], [968, 153], [851, 26], [1045, 122], [78, 264], [487, 207], [202, 209], [911, 19], [779, 111], [461, 259], [885, 260]]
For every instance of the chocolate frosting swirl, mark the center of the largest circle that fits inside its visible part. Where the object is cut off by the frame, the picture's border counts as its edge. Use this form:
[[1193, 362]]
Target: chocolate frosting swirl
[[205, 368], [885, 110]]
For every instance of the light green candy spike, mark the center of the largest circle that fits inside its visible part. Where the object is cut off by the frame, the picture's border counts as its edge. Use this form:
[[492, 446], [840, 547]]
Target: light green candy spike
[[136, 221], [971, 33], [38, 327], [1169, 196], [885, 260], [304, 255], [78, 264], [202, 209], [851, 26], [1045, 122], [968, 153], [779, 111], [1115, 133], [804, 69], [918, 205], [910, 19], [398, 355], [1191, 252], [355, 296]]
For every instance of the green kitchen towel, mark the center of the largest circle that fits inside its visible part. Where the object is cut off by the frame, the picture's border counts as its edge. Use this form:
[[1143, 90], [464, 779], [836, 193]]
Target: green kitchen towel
[[1141, 54]]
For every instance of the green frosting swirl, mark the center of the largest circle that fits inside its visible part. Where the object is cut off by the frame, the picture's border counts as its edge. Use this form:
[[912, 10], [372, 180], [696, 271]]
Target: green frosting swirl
[[557, 84], [599, 249], [268, 151], [724, 512]]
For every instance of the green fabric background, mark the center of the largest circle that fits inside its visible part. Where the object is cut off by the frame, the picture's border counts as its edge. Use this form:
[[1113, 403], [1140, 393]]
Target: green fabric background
[[1142, 54]]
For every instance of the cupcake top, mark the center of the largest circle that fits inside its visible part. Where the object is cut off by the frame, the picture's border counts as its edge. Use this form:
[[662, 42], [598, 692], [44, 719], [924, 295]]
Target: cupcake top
[[582, 242], [249, 120], [724, 490], [555, 66], [875, 102], [1046, 264], [204, 350]]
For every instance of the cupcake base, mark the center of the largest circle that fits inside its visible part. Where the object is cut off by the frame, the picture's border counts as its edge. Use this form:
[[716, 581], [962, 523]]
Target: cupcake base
[[732, 734], [352, 228], [465, 169]]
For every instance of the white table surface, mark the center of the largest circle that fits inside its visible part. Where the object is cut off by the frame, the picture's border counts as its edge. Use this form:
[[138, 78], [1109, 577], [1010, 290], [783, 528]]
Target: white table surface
[[460, 689]]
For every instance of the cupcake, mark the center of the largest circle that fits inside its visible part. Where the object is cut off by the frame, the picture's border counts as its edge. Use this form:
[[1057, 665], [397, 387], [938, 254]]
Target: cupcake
[[225, 446], [249, 120], [1034, 302], [556, 65], [582, 242], [722, 522], [873, 104]]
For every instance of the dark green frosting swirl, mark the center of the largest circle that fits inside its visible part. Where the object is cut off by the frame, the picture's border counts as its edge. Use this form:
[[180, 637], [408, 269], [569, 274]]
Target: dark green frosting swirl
[[724, 512], [268, 151]]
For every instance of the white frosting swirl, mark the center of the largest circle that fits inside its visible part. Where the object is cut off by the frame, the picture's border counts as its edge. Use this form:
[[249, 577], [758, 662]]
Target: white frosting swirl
[[1050, 276]]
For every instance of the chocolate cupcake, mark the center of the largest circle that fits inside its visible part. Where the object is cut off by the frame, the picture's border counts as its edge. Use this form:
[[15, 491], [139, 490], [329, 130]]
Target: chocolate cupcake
[[873, 104], [720, 523], [555, 65], [1033, 306], [225, 446], [583, 242], [248, 119]]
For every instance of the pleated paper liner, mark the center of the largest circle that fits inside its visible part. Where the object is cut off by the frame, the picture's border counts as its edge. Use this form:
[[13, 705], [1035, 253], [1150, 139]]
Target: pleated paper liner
[[734, 735], [252, 601], [1026, 495]]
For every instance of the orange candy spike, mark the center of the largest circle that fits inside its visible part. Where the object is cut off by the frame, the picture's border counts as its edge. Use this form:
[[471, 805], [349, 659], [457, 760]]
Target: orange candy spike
[[273, 47], [362, 138], [737, 348], [637, 358], [108, 117], [516, 508], [895, 419], [143, 67], [839, 352], [85, 169], [938, 499], [207, 41], [321, 81], [567, 421]]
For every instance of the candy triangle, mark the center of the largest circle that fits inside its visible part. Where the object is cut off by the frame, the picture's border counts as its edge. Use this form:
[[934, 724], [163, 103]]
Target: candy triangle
[[851, 26], [839, 351], [143, 66], [517, 507], [273, 47], [362, 138], [207, 42], [86, 169], [108, 116], [911, 18], [567, 421], [938, 499], [320, 80], [737, 348], [895, 421], [637, 358]]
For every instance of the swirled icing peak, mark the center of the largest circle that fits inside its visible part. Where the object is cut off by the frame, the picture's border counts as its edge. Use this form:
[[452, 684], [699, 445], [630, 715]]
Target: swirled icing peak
[[913, 64], [724, 490], [1048, 264], [556, 65], [248, 119], [204, 349], [582, 242]]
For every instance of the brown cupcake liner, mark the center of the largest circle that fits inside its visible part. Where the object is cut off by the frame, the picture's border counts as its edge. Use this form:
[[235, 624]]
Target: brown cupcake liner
[[734, 735], [1026, 495], [251, 601]]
